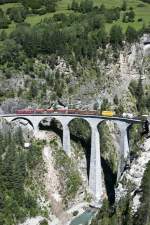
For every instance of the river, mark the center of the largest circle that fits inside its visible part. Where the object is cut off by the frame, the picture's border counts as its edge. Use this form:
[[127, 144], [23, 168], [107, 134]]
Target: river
[[84, 218]]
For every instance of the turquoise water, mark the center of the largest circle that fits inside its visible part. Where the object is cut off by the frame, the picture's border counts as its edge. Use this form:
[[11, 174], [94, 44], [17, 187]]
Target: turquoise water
[[83, 219]]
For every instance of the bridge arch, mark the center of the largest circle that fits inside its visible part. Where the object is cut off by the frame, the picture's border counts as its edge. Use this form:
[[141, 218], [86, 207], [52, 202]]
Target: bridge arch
[[80, 131], [110, 133], [51, 123], [60, 127], [23, 118], [134, 134]]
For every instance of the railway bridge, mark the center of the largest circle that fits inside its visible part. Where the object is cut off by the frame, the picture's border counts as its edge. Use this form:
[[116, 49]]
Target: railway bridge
[[95, 175]]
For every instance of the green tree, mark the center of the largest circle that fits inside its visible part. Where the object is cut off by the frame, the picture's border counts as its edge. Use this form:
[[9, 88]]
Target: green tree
[[44, 222], [131, 15], [140, 96], [34, 4], [19, 136], [131, 34], [38, 6], [74, 5], [11, 52], [124, 18], [105, 105], [4, 21], [18, 14], [3, 35], [33, 90], [133, 87], [86, 6], [143, 215], [50, 5], [124, 5], [116, 36], [116, 101]]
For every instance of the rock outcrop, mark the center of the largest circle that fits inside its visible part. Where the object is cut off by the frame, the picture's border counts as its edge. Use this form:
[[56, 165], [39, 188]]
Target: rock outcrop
[[131, 178]]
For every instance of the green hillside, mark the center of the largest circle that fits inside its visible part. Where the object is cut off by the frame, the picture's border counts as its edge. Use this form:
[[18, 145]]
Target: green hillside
[[141, 10]]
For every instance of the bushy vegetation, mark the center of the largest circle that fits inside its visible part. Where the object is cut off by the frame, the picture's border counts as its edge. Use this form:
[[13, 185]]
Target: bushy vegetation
[[135, 140], [141, 95], [108, 150], [81, 129], [4, 20], [40, 6], [147, 1], [17, 14], [120, 214], [69, 176], [75, 37], [116, 215], [16, 165], [143, 215], [44, 222], [8, 1]]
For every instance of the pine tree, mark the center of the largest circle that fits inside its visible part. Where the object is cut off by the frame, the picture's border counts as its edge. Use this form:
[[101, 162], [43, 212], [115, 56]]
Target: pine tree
[[131, 34], [19, 136], [3, 35], [74, 5], [131, 15], [116, 36], [140, 96], [124, 5]]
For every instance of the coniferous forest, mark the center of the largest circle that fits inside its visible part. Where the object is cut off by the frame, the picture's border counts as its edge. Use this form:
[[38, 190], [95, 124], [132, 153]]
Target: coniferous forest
[[16, 166]]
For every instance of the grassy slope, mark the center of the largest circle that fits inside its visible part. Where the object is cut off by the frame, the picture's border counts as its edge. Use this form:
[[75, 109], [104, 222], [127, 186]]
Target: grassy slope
[[141, 12]]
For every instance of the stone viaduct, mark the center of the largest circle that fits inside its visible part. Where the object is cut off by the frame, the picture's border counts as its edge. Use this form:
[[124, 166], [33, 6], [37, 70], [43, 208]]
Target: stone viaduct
[[95, 175]]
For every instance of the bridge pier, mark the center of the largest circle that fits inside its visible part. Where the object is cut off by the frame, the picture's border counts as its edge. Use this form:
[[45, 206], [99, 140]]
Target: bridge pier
[[66, 133], [35, 121], [66, 139], [95, 177], [36, 130], [124, 147]]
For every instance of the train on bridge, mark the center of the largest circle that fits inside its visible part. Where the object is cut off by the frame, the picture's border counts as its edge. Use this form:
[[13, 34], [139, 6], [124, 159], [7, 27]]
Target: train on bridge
[[72, 111], [64, 111]]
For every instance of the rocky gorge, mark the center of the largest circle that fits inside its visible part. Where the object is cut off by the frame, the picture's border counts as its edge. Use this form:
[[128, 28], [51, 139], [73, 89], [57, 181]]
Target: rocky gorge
[[109, 82]]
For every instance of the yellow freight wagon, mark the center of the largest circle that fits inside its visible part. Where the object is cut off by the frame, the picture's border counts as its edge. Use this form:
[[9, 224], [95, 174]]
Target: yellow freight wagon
[[108, 113]]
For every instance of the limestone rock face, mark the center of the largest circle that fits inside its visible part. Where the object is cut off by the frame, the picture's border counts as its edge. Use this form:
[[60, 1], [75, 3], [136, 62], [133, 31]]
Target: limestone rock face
[[146, 41], [108, 76], [131, 179], [10, 105]]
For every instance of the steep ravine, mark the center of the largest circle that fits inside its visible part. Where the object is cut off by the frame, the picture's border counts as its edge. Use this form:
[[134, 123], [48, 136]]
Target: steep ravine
[[55, 180], [129, 203], [132, 178]]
